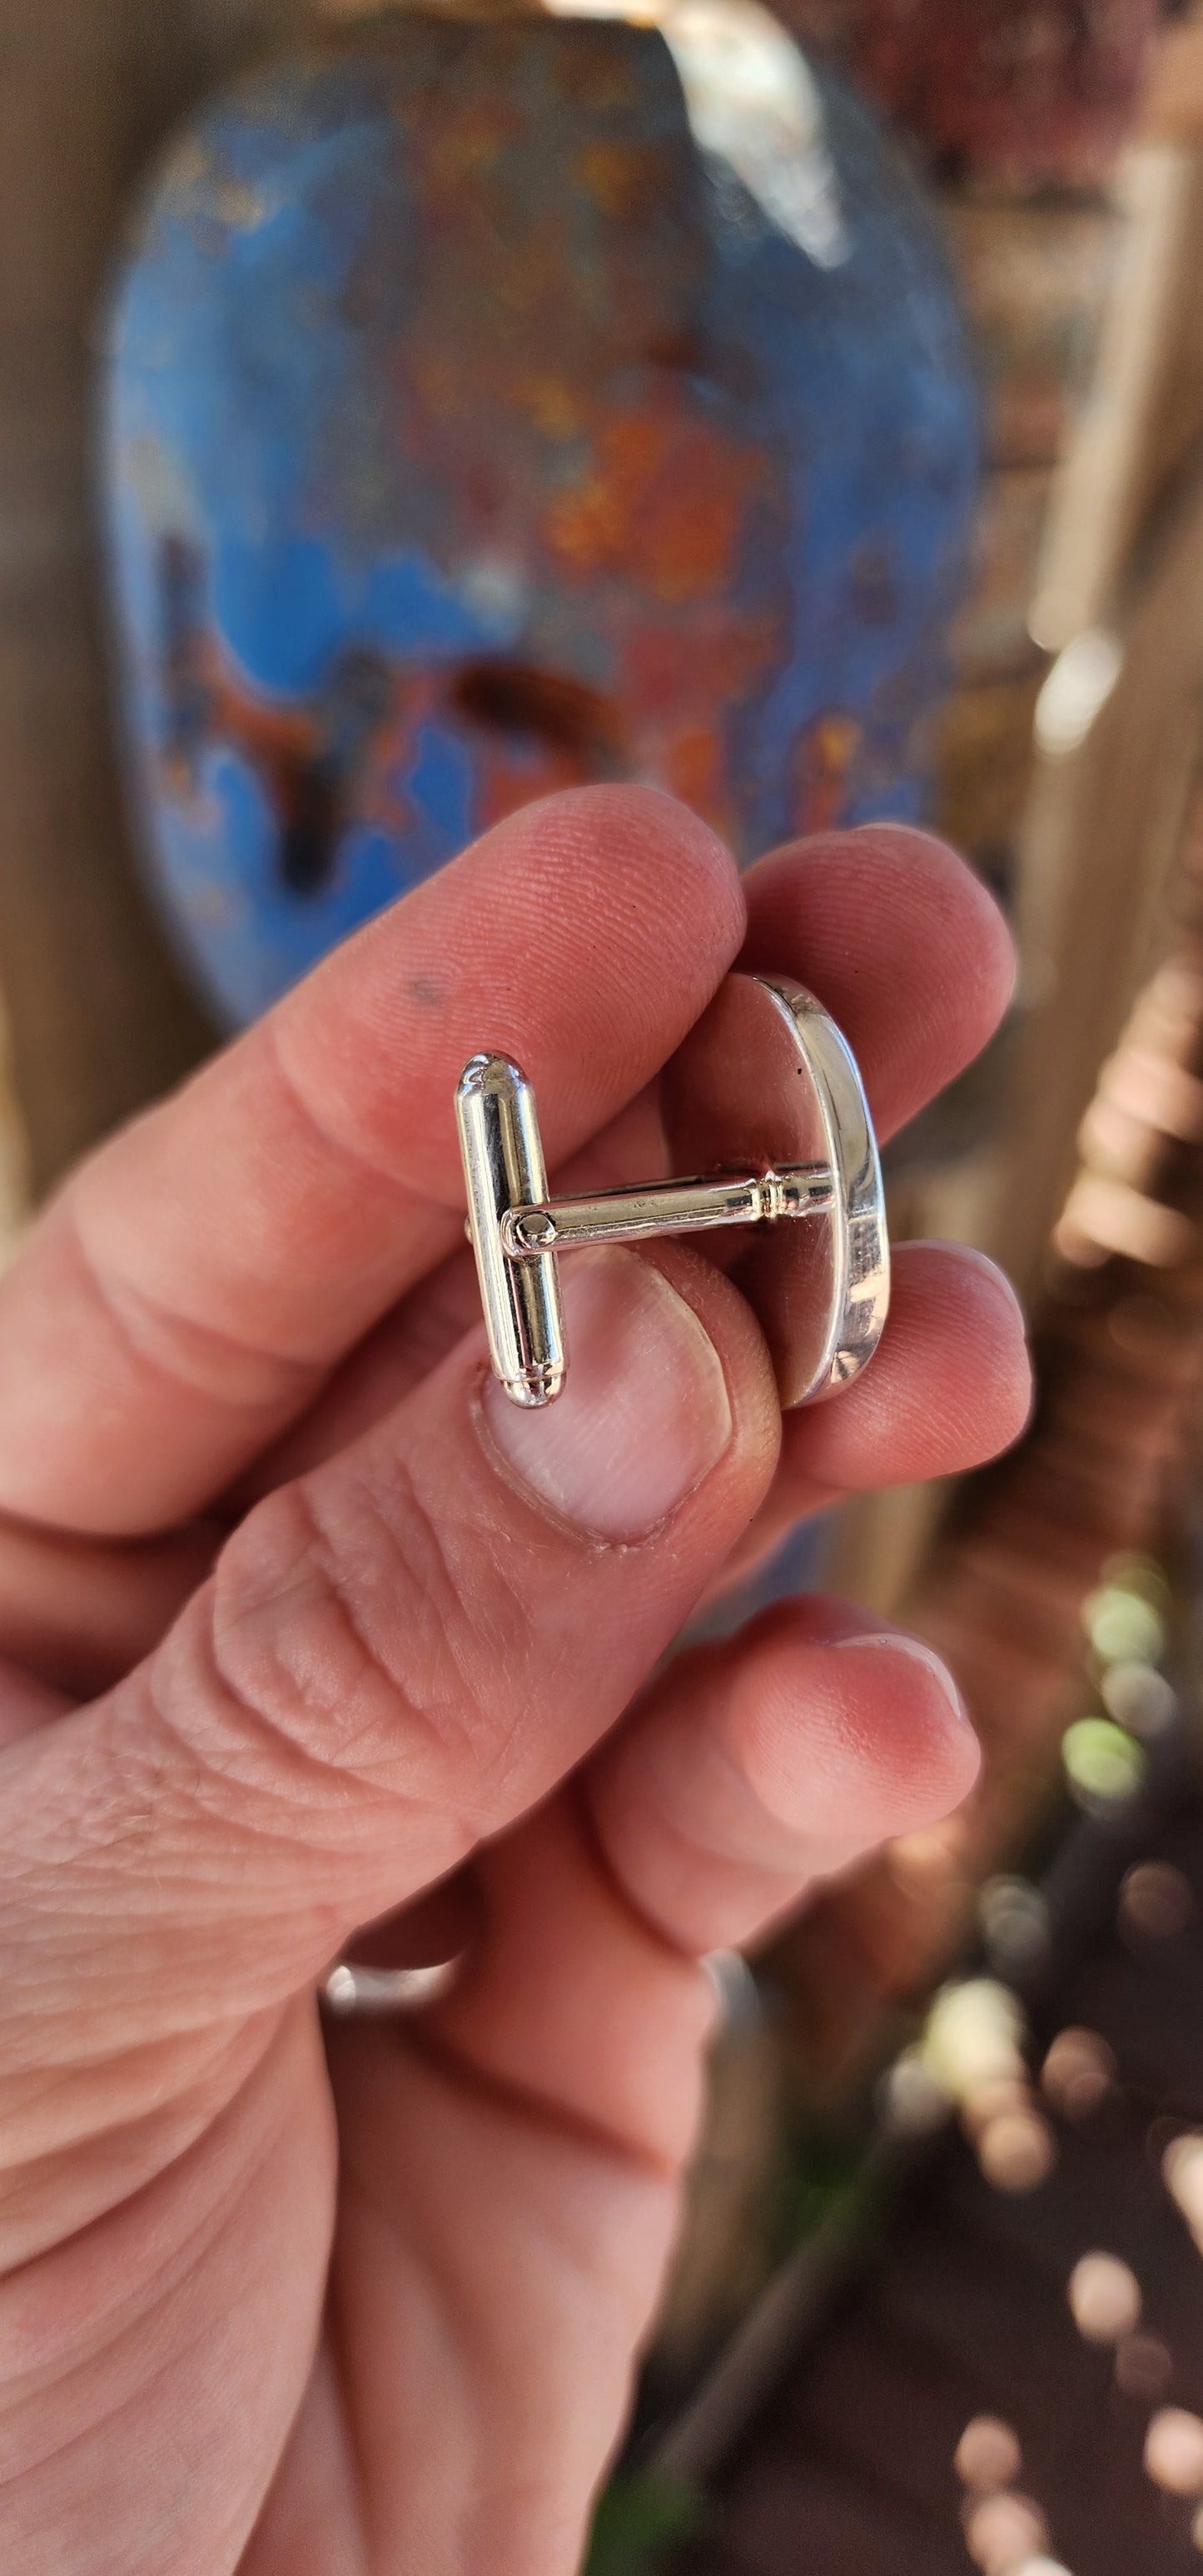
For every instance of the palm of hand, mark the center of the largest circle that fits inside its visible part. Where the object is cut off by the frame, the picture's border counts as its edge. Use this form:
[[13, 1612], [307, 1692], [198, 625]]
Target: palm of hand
[[344, 1626]]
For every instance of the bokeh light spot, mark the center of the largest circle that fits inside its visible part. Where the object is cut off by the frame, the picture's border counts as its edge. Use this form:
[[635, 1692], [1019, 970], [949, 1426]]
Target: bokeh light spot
[[1123, 1627], [1155, 1901], [1104, 2298], [1174, 2451], [1003, 2530], [1104, 1765], [974, 2035], [913, 2103], [1078, 2073], [1140, 1698], [1014, 1920], [1144, 2367], [1182, 2170], [1017, 2152], [988, 2455], [1138, 1573]]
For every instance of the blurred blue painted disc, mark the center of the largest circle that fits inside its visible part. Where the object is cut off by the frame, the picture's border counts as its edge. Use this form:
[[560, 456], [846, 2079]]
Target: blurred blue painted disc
[[498, 404]]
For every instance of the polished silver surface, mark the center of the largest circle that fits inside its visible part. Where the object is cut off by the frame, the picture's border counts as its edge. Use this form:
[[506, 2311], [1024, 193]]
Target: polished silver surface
[[349, 1988], [665, 1207], [765, 1076], [504, 1168], [765, 1102], [861, 1296]]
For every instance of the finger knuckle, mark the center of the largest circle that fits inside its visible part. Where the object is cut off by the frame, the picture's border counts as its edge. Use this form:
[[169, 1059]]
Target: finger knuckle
[[346, 1631]]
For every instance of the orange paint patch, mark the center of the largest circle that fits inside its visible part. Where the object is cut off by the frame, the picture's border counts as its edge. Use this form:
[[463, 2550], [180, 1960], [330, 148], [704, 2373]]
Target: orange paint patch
[[825, 758], [553, 403], [467, 148], [693, 768], [664, 504], [505, 789], [686, 679], [616, 176]]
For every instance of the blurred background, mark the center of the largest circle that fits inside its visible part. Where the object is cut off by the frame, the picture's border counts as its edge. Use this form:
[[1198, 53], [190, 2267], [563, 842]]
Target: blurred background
[[401, 415]]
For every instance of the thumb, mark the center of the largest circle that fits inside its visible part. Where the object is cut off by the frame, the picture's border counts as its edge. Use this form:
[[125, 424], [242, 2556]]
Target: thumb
[[396, 1656]]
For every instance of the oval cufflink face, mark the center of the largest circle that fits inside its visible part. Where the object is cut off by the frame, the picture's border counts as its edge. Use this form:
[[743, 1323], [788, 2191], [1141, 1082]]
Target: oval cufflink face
[[764, 1082]]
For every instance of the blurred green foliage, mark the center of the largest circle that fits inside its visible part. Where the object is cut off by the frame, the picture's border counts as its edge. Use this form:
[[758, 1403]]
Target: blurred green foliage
[[824, 2179], [636, 2519]]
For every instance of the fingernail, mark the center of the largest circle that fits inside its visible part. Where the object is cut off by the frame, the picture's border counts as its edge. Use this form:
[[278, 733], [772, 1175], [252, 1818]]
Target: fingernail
[[892, 1642], [645, 1413]]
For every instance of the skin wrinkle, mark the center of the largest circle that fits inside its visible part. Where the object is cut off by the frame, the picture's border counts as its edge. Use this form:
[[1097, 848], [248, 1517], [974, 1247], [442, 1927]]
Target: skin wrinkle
[[334, 1144], [478, 1641], [776, 1881], [420, 2044], [502, 1627], [358, 2196], [624, 1894], [124, 2154], [125, 1305], [251, 1825], [166, 2280], [668, 2011], [195, 2009], [777, 1886], [427, 1611], [523, 2102], [446, 1839], [83, 2060], [84, 2436], [327, 2384], [93, 2124], [76, 1614], [52, 2082], [304, 1701], [162, 2275], [455, 2304], [85, 1824], [130, 1733], [329, 1577], [428, 1576], [317, 1771]]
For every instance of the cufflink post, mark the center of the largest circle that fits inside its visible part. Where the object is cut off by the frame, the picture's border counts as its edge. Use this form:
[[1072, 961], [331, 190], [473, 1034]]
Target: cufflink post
[[666, 1207]]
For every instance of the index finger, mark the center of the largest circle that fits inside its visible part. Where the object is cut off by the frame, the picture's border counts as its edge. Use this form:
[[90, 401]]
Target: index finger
[[197, 1278], [902, 943]]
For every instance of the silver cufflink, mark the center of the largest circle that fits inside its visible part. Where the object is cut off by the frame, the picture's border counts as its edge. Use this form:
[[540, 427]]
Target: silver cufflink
[[765, 1102]]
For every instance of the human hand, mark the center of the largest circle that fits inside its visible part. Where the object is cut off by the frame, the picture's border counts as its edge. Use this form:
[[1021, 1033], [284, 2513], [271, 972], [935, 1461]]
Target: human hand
[[300, 1619]]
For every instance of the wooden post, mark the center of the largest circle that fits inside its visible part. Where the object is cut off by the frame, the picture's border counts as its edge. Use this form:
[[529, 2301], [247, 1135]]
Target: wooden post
[[1123, 573]]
